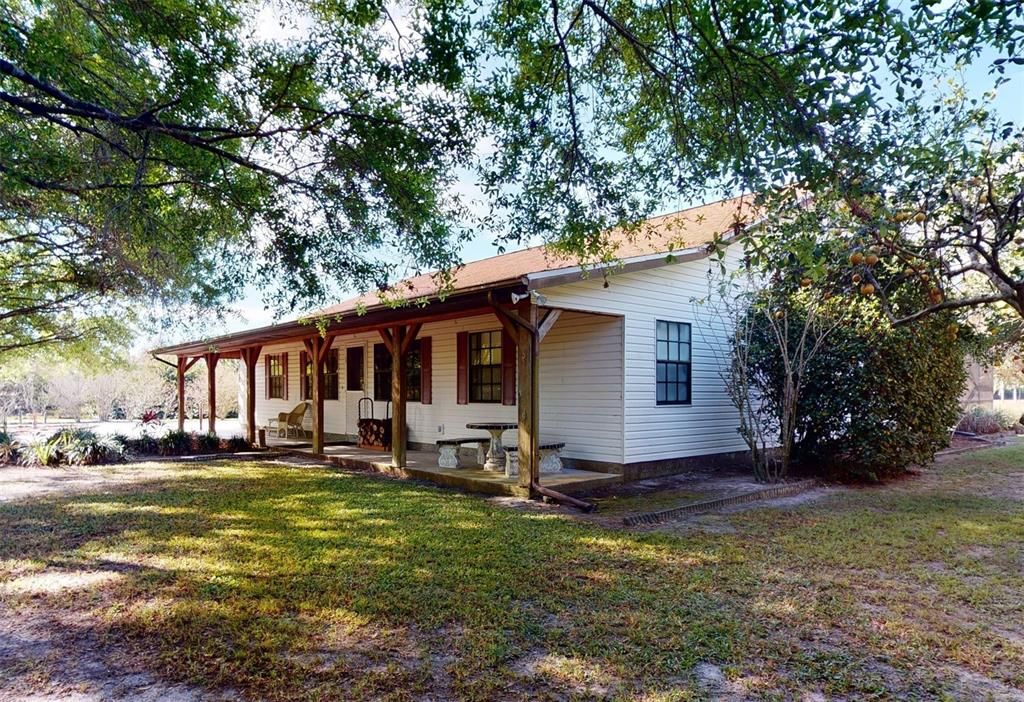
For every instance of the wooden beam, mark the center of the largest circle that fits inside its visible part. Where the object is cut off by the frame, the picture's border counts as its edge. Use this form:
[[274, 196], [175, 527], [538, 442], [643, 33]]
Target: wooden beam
[[317, 380], [389, 340], [545, 325], [308, 343], [527, 395], [325, 348], [211, 387], [399, 393], [250, 357], [409, 336], [182, 367], [192, 362], [510, 327]]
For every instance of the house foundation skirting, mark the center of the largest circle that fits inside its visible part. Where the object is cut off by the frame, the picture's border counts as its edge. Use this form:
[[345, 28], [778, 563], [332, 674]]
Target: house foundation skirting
[[642, 470]]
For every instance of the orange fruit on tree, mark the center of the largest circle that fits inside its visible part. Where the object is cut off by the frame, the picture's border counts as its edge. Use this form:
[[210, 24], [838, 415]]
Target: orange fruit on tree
[[920, 217], [856, 258], [867, 289], [871, 259], [855, 277]]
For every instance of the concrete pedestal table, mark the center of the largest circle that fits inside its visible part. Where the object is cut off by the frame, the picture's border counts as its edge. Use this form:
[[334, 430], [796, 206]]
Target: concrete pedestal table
[[495, 452]]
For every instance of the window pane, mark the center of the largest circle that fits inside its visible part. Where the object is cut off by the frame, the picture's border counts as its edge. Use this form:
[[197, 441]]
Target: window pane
[[662, 330], [684, 352], [671, 392], [684, 332], [673, 332], [661, 392], [673, 352], [662, 351]]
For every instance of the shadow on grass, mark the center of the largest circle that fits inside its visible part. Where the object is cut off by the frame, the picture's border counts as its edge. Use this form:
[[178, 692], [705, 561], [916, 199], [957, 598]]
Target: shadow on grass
[[306, 583]]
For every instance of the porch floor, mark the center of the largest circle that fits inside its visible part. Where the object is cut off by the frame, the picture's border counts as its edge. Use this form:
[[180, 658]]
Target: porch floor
[[422, 465]]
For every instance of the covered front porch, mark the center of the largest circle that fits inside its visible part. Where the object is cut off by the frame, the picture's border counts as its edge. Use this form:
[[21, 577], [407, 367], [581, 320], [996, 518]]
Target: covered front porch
[[422, 465], [586, 340]]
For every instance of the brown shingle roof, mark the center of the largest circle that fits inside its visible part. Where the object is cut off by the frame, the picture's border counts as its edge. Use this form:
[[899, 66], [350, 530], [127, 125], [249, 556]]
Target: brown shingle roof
[[671, 232]]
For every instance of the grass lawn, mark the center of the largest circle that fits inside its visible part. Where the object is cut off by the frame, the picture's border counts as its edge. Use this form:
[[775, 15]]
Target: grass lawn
[[282, 582]]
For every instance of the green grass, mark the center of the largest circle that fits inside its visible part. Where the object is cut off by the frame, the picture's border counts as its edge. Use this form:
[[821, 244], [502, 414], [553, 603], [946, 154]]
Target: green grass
[[306, 584]]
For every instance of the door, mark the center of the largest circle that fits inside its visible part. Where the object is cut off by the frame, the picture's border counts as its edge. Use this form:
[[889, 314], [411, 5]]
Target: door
[[355, 384]]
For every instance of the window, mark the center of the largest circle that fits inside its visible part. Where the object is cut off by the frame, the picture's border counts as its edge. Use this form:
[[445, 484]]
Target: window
[[382, 372], [306, 375], [331, 375], [330, 388], [673, 363], [354, 368], [485, 367], [275, 387], [413, 371]]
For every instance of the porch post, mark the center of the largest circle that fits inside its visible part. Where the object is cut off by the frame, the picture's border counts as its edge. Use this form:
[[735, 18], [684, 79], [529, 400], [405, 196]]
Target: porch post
[[211, 385], [317, 392], [250, 357], [398, 395], [181, 393], [527, 395]]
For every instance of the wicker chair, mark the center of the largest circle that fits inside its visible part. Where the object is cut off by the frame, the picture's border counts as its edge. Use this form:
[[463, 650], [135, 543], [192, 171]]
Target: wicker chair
[[287, 422]]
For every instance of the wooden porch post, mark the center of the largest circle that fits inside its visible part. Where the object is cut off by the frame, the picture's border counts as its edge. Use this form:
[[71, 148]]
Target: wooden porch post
[[250, 357], [211, 385], [398, 340], [527, 395], [181, 393], [398, 396], [316, 392]]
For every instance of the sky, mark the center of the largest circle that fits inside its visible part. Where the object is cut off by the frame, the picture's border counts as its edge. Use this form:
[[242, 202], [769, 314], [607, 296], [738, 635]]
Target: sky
[[250, 311]]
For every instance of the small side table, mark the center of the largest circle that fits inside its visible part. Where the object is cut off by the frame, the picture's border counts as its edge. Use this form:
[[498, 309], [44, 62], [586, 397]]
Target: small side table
[[495, 459]]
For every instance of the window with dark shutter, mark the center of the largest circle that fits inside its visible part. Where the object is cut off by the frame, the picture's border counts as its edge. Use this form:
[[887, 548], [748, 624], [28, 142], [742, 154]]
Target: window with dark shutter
[[275, 376], [382, 372], [485, 366], [672, 341], [331, 375], [305, 376]]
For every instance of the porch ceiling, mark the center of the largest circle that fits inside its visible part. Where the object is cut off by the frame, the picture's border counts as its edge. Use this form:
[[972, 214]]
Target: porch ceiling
[[378, 317]]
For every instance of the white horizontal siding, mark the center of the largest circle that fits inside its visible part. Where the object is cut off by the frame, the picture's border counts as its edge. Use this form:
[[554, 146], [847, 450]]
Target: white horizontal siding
[[652, 431], [581, 366]]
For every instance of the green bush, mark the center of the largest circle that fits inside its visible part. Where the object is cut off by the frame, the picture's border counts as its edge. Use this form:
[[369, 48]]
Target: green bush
[[77, 447], [8, 448], [876, 399], [237, 443], [175, 443], [206, 443], [979, 420]]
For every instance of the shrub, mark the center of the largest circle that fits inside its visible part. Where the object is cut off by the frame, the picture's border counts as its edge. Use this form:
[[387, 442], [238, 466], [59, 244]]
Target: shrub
[[8, 448], [175, 443], [145, 445], [79, 447], [39, 453], [876, 398], [206, 443], [985, 421], [237, 443]]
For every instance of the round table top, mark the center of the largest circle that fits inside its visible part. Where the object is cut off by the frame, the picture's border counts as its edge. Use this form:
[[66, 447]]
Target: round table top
[[492, 426]]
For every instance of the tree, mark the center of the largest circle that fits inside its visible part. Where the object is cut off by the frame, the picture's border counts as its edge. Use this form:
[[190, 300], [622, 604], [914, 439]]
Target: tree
[[173, 152], [603, 111]]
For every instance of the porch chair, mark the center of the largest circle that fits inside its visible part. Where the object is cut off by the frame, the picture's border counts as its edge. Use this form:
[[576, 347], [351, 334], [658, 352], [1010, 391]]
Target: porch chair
[[290, 421]]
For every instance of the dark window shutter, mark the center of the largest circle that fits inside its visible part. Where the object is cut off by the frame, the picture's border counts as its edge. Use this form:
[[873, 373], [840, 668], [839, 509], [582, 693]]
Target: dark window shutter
[[426, 361], [303, 378], [508, 369], [284, 370], [266, 377], [462, 367]]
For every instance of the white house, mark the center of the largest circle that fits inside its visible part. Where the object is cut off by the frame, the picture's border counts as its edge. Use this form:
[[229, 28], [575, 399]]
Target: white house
[[628, 367]]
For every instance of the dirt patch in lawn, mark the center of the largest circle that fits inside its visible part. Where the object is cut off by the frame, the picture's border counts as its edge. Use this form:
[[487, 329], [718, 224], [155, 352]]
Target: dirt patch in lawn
[[45, 655]]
